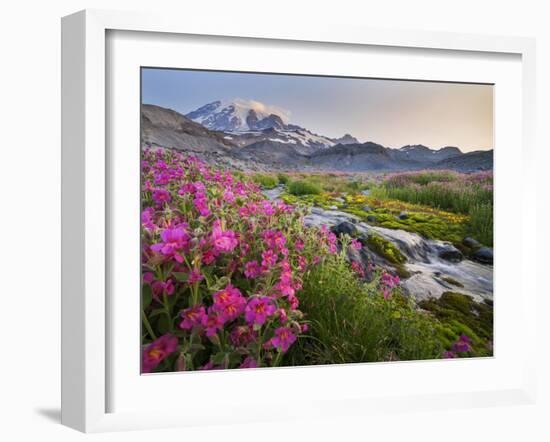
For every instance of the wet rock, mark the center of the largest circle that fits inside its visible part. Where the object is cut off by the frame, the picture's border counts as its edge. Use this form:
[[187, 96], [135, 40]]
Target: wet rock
[[344, 228], [449, 253], [484, 255], [339, 200], [366, 209], [333, 207], [372, 218], [403, 215], [471, 243]]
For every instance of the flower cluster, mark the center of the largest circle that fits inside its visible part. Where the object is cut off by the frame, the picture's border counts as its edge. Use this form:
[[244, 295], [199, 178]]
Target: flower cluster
[[222, 267], [461, 346]]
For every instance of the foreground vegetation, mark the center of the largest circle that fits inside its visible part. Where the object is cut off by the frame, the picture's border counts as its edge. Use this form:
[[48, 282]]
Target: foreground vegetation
[[232, 280]]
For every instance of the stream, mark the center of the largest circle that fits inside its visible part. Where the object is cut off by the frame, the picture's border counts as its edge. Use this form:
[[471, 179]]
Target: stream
[[424, 262]]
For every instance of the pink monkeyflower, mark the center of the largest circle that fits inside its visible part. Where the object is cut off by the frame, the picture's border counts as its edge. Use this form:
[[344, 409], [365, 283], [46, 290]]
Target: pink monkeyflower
[[229, 303], [229, 196], [173, 241], [192, 317], [282, 315], [269, 259], [148, 277], [294, 302], [358, 269], [462, 345], [304, 328], [146, 219], [302, 263], [267, 208], [242, 335], [283, 339], [449, 355], [252, 269], [162, 287], [249, 363], [285, 285], [201, 204], [157, 351], [258, 310], [208, 257], [223, 241], [194, 277], [299, 245], [316, 260], [356, 244], [161, 196], [212, 323]]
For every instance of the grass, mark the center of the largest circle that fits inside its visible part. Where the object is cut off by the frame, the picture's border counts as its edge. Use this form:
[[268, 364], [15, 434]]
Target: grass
[[350, 321], [265, 180], [440, 204], [467, 194], [481, 223], [303, 187]]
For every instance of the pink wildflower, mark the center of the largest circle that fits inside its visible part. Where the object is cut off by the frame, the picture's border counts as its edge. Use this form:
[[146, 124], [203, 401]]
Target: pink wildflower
[[212, 323], [161, 196], [249, 363], [283, 339], [269, 259], [173, 241], [223, 241], [252, 269], [229, 303], [192, 317], [157, 351], [258, 310]]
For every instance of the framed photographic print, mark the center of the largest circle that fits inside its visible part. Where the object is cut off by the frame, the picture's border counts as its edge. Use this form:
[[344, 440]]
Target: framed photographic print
[[249, 210]]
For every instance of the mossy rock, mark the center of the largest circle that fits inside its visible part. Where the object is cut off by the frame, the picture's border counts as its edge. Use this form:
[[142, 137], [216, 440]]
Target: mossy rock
[[385, 249], [452, 281], [459, 313]]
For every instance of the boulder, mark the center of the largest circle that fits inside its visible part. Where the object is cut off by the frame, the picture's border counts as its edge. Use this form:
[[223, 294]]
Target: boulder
[[403, 215], [471, 243], [344, 228], [333, 207], [366, 209], [372, 218], [450, 253], [339, 200], [484, 255]]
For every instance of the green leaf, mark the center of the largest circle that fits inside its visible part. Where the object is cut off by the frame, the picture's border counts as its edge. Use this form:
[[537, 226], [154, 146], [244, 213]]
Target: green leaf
[[218, 358], [181, 276], [146, 296], [163, 325]]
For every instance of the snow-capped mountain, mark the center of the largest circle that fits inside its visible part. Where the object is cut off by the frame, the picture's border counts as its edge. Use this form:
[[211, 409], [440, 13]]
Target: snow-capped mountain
[[291, 147], [247, 121], [239, 115]]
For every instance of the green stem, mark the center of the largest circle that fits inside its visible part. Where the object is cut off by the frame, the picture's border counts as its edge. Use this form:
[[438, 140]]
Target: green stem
[[147, 325], [167, 310]]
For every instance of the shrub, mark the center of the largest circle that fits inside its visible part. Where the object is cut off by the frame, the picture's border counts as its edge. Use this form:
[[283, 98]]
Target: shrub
[[352, 321], [283, 178], [266, 181], [303, 187]]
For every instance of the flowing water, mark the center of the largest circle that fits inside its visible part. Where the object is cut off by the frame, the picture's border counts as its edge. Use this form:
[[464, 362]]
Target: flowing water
[[428, 269]]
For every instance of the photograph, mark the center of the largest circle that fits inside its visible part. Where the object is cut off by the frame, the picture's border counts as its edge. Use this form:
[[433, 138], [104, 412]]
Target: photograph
[[292, 220]]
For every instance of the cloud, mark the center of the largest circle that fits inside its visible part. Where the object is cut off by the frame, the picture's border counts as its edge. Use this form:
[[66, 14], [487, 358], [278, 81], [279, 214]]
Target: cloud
[[262, 108]]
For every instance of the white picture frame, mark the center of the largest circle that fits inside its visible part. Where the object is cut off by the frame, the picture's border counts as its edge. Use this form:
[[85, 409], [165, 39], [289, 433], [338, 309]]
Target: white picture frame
[[86, 217]]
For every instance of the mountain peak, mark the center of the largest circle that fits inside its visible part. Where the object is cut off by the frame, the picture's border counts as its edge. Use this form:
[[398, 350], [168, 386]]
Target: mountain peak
[[239, 114]]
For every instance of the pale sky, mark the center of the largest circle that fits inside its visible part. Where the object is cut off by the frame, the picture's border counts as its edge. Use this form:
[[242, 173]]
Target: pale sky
[[393, 113]]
